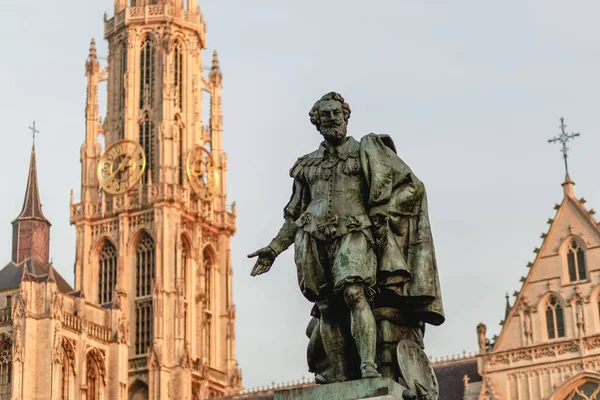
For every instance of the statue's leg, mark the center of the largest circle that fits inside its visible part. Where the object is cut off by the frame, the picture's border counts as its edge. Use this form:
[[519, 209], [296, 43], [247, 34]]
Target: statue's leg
[[333, 339], [363, 328]]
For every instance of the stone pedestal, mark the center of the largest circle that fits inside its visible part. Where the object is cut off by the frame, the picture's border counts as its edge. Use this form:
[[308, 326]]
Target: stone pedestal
[[364, 389]]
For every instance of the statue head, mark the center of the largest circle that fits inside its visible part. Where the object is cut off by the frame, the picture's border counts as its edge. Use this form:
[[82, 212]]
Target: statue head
[[330, 116]]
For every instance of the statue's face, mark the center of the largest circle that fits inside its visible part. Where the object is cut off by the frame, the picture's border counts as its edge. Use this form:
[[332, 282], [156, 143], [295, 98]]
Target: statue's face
[[332, 123]]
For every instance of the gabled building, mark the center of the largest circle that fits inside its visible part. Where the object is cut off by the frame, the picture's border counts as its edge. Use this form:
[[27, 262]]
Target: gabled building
[[549, 344]]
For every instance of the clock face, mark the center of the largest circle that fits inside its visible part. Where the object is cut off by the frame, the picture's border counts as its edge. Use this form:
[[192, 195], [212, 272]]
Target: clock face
[[201, 172], [121, 166]]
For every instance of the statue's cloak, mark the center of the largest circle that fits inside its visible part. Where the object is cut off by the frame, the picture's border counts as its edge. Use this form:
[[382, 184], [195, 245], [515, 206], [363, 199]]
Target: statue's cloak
[[407, 271]]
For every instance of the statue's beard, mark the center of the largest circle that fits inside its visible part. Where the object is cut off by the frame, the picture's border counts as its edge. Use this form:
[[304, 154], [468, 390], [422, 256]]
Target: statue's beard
[[334, 134]]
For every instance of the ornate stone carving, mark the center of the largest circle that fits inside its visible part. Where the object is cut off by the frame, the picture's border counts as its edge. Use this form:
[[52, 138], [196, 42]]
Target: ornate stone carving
[[57, 348], [123, 330]]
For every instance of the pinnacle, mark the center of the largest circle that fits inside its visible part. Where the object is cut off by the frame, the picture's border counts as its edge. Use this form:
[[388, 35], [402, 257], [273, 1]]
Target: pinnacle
[[568, 186], [215, 61], [93, 49]]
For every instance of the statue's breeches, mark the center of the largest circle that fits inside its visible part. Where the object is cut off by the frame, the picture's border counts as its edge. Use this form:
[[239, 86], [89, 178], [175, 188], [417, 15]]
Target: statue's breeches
[[327, 266]]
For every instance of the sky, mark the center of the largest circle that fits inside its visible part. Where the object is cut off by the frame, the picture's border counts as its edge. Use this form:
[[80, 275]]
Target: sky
[[470, 91]]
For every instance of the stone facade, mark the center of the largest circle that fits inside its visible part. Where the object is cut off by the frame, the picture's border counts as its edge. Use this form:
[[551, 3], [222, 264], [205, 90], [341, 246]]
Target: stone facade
[[151, 314], [549, 345]]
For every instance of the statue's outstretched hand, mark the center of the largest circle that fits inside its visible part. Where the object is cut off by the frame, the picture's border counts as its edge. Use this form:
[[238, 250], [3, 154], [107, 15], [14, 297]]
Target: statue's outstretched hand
[[266, 257]]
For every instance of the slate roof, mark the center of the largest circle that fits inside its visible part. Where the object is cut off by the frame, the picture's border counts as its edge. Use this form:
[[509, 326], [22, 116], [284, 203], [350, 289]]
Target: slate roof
[[12, 275], [450, 377]]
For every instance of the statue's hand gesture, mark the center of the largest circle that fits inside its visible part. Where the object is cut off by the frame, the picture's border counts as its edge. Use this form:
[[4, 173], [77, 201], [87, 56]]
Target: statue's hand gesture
[[266, 257]]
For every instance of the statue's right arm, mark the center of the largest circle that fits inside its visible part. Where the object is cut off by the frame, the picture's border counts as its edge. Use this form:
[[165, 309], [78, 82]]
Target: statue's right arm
[[293, 210]]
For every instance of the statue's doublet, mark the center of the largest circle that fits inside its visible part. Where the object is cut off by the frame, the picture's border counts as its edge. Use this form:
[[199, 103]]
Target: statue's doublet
[[332, 186]]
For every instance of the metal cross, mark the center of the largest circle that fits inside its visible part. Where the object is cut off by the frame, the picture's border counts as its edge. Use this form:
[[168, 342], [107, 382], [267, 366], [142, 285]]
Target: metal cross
[[34, 131], [563, 138]]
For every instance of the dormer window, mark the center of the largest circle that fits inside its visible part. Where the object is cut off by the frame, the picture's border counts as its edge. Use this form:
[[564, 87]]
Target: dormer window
[[576, 262]]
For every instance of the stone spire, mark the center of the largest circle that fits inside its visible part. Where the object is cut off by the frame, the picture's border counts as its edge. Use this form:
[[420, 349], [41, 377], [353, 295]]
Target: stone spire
[[508, 307], [31, 230]]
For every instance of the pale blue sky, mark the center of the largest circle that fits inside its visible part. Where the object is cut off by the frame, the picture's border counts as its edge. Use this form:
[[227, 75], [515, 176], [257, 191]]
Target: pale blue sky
[[469, 90]]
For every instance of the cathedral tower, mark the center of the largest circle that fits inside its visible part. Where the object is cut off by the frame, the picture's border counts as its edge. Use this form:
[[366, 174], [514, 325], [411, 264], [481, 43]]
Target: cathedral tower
[[157, 245]]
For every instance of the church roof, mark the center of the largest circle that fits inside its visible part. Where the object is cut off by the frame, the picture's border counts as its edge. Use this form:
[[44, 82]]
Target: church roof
[[451, 375], [32, 206], [12, 275]]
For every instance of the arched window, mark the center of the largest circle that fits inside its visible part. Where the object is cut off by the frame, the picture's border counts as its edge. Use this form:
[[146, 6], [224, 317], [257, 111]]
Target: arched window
[[181, 159], [5, 368], [178, 75], [147, 141], [92, 376], [576, 262], [107, 272], [145, 273], [147, 66], [208, 269], [554, 319], [64, 377], [587, 391], [138, 391]]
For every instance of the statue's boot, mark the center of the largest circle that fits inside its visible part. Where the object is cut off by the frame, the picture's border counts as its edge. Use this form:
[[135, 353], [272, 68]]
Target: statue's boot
[[369, 370]]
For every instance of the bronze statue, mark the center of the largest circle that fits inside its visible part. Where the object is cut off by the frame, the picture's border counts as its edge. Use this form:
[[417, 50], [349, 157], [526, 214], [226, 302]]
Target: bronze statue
[[364, 254]]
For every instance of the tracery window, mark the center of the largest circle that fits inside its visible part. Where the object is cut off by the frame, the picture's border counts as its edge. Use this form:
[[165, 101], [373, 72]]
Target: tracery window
[[64, 377], [178, 75], [107, 272], [147, 141], [92, 379], [5, 368], [555, 324], [576, 262], [587, 391], [181, 160], [147, 67], [208, 270], [145, 273], [184, 268]]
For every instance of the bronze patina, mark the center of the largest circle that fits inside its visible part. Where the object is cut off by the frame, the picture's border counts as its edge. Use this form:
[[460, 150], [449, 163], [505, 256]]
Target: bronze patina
[[364, 252]]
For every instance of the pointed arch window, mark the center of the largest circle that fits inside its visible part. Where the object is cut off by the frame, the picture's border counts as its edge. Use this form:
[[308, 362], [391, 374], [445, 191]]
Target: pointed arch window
[[147, 68], [5, 368], [92, 380], [64, 377], [181, 158], [576, 262], [178, 75], [147, 141], [555, 324], [145, 273], [107, 272], [208, 269]]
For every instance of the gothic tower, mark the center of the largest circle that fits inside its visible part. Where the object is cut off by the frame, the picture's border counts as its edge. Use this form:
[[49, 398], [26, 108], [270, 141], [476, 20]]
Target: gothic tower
[[159, 249]]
